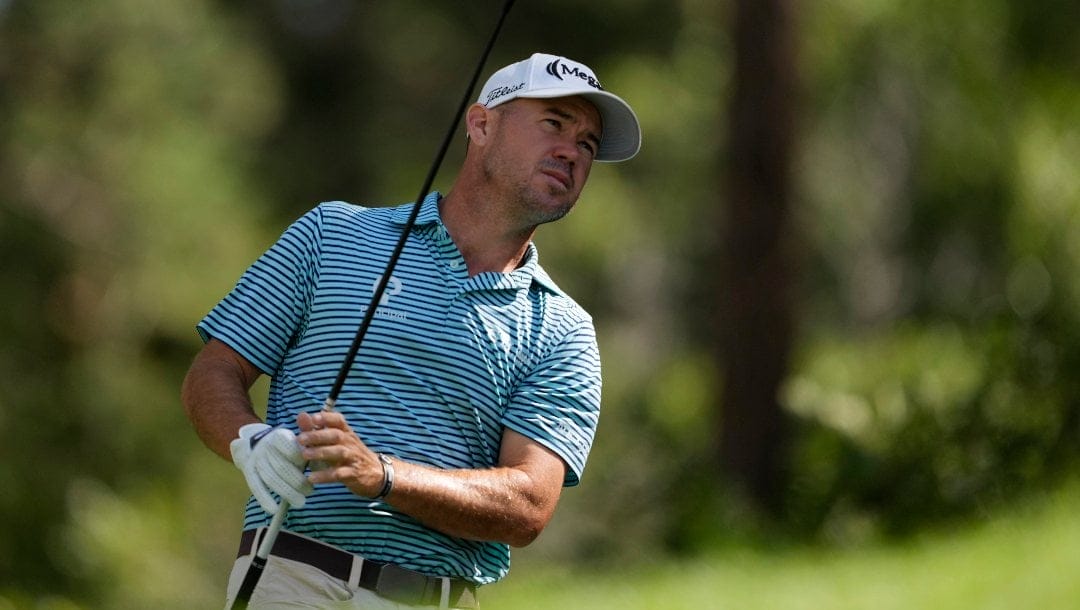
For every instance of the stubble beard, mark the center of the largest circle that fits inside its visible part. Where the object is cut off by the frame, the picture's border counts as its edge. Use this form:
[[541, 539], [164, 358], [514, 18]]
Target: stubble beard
[[531, 205], [537, 210]]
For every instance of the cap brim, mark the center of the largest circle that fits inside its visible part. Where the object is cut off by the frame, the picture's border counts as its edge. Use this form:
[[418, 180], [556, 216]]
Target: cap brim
[[622, 133], [621, 138]]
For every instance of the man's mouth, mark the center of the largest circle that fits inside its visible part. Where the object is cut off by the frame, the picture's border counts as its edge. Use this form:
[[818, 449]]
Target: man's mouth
[[560, 175]]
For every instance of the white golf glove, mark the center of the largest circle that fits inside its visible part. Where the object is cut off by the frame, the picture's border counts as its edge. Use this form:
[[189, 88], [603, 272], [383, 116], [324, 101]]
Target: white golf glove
[[271, 462]]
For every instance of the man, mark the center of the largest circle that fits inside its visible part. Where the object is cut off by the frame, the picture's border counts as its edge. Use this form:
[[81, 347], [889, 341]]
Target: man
[[475, 396]]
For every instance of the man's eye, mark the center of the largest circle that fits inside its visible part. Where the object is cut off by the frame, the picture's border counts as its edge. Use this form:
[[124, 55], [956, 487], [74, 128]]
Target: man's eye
[[588, 148]]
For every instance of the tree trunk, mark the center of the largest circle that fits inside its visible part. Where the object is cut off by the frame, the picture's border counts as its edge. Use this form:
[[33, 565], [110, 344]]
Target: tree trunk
[[756, 312]]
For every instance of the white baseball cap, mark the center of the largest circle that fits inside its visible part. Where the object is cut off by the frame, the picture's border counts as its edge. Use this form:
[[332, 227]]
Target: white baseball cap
[[548, 76]]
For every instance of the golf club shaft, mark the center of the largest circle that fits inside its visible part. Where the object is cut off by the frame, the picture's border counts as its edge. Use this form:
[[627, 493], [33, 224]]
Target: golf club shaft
[[258, 563]]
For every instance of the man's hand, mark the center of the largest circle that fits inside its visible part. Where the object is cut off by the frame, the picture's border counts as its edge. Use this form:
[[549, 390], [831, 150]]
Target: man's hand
[[271, 461], [328, 439]]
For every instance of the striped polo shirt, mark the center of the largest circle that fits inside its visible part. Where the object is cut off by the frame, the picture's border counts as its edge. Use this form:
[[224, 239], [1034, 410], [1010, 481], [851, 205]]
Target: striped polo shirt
[[448, 362]]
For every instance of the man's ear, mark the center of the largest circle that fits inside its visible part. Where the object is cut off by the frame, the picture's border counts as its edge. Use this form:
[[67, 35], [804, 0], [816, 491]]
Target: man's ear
[[477, 123]]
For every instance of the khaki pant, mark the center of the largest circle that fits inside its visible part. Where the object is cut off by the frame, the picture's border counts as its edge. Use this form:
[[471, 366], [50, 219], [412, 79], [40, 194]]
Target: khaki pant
[[291, 584]]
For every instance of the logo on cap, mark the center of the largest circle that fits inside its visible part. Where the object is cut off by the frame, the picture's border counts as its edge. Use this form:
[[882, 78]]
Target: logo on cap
[[558, 69], [498, 92]]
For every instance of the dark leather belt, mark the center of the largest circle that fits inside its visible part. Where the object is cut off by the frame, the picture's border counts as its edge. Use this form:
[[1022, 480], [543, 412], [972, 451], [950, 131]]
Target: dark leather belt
[[384, 579]]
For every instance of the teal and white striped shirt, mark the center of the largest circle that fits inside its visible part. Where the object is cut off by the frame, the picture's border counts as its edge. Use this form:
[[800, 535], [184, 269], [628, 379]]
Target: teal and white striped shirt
[[448, 362]]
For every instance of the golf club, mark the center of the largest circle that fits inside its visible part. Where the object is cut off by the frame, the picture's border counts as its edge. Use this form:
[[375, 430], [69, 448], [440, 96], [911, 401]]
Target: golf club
[[258, 563]]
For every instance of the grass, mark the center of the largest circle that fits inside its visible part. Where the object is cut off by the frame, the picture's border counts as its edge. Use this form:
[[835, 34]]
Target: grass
[[1027, 559]]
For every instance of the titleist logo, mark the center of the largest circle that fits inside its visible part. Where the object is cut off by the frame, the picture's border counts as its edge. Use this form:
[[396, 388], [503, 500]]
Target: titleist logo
[[559, 69], [498, 92]]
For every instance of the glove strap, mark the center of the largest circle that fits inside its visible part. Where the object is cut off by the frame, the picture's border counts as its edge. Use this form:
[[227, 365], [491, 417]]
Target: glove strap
[[258, 437]]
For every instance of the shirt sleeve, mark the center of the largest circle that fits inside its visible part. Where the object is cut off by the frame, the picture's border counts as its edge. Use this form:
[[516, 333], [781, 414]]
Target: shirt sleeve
[[266, 312], [558, 403]]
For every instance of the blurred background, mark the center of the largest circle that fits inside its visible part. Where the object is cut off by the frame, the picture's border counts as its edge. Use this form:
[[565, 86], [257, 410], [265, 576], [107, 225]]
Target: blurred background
[[836, 292]]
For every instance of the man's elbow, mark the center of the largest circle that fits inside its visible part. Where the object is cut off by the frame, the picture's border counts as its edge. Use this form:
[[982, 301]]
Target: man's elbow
[[526, 532], [534, 494], [530, 524]]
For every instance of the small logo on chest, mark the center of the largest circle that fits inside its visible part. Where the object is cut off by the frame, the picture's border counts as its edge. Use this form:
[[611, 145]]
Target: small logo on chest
[[393, 288]]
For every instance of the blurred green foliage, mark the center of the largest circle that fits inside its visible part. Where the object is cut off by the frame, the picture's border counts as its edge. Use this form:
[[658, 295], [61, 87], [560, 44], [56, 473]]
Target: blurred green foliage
[[149, 151]]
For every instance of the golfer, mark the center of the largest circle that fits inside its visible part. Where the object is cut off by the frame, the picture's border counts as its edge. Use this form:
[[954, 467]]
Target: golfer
[[475, 397]]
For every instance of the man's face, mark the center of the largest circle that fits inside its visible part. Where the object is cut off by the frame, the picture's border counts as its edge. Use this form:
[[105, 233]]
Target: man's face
[[542, 150]]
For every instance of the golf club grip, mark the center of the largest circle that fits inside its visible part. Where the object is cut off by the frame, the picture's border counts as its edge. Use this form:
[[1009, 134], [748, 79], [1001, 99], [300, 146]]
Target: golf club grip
[[259, 561], [251, 579]]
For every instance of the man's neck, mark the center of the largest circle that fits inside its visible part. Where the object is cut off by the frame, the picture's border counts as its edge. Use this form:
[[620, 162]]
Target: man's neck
[[481, 233]]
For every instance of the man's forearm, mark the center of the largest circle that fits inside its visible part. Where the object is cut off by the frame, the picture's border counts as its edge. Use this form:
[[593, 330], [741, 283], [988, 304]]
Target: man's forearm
[[511, 502], [215, 397], [496, 504]]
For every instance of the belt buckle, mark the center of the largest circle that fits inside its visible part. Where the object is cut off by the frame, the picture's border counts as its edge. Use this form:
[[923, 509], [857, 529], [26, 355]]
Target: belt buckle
[[412, 588], [403, 586]]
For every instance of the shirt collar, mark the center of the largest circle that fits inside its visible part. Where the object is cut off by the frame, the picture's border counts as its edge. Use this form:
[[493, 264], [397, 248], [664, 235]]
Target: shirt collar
[[429, 211], [530, 271]]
